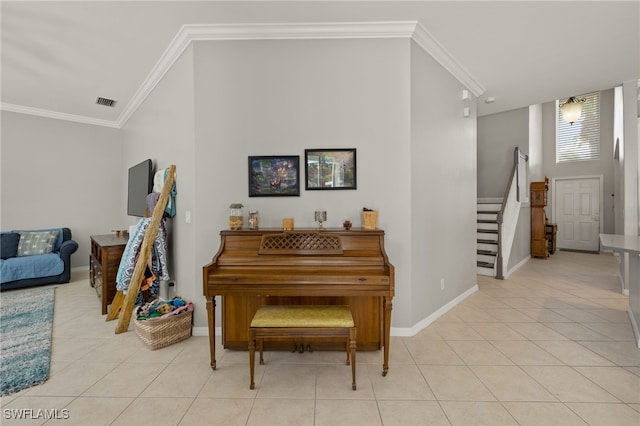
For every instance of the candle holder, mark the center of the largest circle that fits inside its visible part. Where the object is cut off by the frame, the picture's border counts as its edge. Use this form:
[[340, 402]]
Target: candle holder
[[287, 224], [320, 216]]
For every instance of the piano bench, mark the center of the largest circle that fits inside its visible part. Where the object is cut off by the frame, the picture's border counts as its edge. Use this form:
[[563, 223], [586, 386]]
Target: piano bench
[[283, 322]]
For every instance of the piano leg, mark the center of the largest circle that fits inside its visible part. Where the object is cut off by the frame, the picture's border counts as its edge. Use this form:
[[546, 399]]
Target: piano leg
[[211, 313], [387, 334]]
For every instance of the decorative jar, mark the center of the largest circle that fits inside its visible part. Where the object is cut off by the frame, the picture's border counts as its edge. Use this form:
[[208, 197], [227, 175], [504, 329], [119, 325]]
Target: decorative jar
[[254, 219], [236, 216]]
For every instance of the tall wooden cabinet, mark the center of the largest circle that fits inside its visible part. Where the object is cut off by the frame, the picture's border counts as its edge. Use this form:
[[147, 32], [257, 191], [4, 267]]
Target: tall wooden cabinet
[[104, 261], [539, 243]]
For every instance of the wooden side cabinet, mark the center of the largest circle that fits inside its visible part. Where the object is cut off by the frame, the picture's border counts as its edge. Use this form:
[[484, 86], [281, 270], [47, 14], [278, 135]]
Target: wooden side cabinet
[[539, 243], [104, 261]]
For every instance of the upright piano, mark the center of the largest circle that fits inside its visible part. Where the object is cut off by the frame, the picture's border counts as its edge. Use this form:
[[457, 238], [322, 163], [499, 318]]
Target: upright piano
[[304, 267]]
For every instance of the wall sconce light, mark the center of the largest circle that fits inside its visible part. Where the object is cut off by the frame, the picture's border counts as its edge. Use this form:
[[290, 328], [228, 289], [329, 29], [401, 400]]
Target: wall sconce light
[[572, 109]]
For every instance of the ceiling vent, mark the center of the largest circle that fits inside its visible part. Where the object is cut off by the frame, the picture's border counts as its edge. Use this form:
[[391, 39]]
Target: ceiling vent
[[106, 102]]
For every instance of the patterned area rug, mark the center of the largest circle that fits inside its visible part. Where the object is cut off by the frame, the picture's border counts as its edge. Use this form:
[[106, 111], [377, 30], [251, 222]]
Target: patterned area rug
[[26, 321]]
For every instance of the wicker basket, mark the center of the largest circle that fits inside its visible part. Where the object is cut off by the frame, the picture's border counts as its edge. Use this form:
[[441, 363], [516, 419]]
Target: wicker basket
[[159, 333]]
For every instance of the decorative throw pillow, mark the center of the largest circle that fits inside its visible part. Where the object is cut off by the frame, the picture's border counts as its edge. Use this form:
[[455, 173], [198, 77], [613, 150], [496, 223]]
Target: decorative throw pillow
[[36, 242], [9, 244]]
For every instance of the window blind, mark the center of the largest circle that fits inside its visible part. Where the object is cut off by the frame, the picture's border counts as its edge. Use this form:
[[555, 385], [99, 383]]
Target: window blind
[[579, 141]]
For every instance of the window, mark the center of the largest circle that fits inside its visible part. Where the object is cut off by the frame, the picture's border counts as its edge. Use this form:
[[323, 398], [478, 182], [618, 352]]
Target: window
[[579, 141]]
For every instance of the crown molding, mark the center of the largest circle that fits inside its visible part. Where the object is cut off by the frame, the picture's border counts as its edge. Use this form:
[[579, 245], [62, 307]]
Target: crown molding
[[58, 115], [298, 31], [273, 31], [268, 31], [430, 45]]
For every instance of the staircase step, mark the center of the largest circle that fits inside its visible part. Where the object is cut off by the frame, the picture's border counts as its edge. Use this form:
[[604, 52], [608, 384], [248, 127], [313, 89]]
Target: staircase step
[[488, 252], [489, 272], [489, 206], [481, 241], [487, 247], [488, 210], [487, 231]]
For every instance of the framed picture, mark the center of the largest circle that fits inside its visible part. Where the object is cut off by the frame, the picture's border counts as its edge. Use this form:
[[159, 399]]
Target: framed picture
[[330, 169], [275, 175]]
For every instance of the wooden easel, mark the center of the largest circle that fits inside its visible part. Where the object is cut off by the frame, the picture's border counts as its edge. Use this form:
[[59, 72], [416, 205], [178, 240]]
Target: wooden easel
[[122, 304]]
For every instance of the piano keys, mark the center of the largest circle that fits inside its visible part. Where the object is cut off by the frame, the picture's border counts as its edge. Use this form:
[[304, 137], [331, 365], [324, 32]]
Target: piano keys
[[303, 266]]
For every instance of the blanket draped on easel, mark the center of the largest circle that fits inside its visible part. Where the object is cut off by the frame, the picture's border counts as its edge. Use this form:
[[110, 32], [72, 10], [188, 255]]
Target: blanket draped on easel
[[132, 251]]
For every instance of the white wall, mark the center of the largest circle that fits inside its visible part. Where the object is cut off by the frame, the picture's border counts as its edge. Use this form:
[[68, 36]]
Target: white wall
[[60, 174], [535, 145], [618, 162], [443, 189], [603, 166], [631, 159]]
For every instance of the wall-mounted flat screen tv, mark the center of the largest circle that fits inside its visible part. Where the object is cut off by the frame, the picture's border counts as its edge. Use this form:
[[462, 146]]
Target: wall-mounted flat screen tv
[[140, 185]]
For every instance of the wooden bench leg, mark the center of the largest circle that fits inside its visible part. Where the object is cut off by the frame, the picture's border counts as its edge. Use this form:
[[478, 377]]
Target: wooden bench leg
[[348, 350], [252, 358], [261, 343], [352, 347]]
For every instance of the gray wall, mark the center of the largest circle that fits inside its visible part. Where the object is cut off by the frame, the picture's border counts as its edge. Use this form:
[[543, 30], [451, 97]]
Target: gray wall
[[163, 129], [280, 97], [443, 188], [498, 136], [224, 101], [60, 174]]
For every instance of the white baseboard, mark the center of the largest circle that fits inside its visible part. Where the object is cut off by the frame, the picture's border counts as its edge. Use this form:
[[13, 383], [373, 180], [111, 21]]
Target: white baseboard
[[516, 267], [395, 331], [409, 332], [204, 331]]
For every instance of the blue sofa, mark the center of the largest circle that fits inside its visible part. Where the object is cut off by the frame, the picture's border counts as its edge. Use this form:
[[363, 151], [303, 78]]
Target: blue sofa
[[35, 257]]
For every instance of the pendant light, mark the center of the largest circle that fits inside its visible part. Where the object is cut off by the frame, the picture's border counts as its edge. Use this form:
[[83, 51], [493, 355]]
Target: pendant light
[[572, 109]]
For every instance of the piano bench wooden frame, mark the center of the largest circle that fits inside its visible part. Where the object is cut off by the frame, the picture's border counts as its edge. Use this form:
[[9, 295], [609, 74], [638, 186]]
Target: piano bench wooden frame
[[284, 322]]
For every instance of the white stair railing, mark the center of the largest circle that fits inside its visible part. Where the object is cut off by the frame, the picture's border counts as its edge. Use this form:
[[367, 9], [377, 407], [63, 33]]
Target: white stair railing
[[515, 193]]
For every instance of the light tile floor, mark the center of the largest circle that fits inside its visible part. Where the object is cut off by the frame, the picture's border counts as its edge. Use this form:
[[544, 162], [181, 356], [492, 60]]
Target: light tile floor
[[552, 345]]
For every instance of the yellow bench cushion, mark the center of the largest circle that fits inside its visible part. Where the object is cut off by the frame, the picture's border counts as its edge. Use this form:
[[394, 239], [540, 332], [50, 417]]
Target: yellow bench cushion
[[303, 316]]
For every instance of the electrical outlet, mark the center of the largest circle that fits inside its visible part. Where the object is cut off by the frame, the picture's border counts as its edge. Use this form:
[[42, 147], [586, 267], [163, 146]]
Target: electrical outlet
[[441, 283]]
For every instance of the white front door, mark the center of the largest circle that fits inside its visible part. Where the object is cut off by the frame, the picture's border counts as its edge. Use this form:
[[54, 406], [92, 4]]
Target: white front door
[[577, 213]]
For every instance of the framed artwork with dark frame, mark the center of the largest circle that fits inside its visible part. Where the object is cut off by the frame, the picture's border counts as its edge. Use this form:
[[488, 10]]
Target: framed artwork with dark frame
[[326, 169], [274, 176]]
